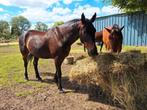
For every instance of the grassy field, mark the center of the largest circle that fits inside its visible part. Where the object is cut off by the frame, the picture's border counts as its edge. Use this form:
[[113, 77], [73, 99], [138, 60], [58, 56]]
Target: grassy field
[[12, 77], [12, 70], [11, 63]]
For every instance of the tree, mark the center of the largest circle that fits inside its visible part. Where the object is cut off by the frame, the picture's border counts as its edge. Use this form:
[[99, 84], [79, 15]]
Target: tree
[[58, 23], [130, 5], [4, 30], [41, 26], [19, 25]]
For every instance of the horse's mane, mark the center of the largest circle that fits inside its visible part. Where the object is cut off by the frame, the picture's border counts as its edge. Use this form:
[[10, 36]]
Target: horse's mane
[[72, 21]]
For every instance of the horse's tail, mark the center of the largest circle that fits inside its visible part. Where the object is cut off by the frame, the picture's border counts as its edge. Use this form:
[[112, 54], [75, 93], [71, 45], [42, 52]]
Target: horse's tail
[[30, 57], [23, 48], [22, 39]]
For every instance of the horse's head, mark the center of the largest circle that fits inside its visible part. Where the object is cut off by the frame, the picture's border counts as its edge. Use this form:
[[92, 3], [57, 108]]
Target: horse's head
[[87, 34], [115, 37]]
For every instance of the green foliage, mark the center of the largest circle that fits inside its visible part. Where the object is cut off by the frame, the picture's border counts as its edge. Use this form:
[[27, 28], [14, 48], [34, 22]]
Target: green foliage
[[58, 23], [130, 5], [41, 26], [4, 30], [19, 24]]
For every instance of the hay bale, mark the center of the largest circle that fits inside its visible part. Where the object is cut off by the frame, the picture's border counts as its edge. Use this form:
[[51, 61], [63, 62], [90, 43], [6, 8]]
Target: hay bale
[[69, 60], [123, 76]]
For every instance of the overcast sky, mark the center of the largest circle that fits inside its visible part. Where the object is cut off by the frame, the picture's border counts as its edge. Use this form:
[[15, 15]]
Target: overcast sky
[[49, 11]]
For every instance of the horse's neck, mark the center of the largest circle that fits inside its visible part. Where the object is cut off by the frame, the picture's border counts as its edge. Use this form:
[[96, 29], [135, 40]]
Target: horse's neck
[[71, 34]]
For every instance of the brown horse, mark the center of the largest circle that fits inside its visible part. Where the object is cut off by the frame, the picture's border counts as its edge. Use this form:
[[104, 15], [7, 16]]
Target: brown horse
[[56, 44], [112, 38]]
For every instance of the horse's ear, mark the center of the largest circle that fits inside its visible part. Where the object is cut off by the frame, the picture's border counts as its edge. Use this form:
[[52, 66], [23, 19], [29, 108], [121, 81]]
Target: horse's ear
[[109, 30], [93, 18], [83, 18], [121, 28]]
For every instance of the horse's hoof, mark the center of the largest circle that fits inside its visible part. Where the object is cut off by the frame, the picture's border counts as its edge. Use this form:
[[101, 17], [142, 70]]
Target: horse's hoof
[[26, 78], [61, 91], [56, 81], [40, 79]]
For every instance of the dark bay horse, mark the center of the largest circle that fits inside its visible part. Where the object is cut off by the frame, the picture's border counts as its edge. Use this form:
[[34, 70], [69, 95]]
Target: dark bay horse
[[99, 39], [56, 44], [112, 38]]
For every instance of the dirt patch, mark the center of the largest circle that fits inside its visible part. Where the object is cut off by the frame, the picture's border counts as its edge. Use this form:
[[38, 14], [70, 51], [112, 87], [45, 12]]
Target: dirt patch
[[48, 98]]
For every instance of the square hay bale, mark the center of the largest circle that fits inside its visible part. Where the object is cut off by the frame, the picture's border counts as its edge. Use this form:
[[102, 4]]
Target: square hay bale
[[123, 76]]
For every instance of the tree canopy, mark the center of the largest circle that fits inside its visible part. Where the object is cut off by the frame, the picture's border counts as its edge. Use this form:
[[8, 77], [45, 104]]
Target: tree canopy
[[4, 30], [58, 23], [130, 5], [19, 24], [41, 26]]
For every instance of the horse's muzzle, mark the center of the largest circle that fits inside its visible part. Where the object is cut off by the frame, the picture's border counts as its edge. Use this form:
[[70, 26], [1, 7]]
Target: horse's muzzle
[[93, 52]]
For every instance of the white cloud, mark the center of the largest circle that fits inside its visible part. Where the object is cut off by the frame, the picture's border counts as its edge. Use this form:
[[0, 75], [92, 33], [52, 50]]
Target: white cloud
[[36, 14], [5, 2], [76, 13], [5, 16], [29, 3], [67, 1], [108, 10], [58, 13], [36, 10], [1, 9], [39, 14], [87, 10], [62, 11]]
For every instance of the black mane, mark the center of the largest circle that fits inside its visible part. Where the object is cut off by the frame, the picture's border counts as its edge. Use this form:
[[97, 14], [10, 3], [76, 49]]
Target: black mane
[[72, 21]]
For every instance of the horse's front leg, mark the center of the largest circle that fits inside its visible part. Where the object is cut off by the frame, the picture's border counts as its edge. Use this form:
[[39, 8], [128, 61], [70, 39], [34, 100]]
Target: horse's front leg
[[56, 78], [58, 74], [58, 62], [36, 68]]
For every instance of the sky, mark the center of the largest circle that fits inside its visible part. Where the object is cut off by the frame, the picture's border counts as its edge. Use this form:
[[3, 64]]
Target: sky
[[50, 11]]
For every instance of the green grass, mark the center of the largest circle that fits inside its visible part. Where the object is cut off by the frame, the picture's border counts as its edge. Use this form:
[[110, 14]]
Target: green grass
[[143, 49], [12, 70], [24, 93]]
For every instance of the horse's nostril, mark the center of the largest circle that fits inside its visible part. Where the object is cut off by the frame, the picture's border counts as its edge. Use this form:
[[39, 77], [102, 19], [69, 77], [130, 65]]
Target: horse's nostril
[[96, 53], [92, 52]]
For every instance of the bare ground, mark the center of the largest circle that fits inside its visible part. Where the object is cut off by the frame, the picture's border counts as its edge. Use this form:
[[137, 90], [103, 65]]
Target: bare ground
[[76, 97], [50, 99]]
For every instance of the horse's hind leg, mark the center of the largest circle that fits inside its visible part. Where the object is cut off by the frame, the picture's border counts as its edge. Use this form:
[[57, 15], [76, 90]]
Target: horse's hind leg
[[36, 68], [25, 65]]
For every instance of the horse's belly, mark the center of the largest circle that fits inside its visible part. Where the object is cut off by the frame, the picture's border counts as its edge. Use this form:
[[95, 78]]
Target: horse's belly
[[42, 53]]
